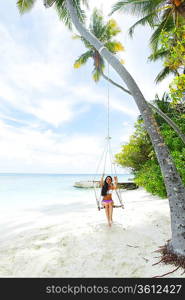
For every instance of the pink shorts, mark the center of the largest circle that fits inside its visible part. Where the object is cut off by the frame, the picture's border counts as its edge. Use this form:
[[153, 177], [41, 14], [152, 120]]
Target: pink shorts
[[108, 201]]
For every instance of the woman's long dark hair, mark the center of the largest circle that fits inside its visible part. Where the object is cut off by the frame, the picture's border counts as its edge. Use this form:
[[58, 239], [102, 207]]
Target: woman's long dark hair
[[105, 187]]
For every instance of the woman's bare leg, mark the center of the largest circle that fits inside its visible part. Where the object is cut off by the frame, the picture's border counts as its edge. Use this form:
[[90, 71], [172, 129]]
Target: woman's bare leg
[[110, 212], [109, 217], [107, 213]]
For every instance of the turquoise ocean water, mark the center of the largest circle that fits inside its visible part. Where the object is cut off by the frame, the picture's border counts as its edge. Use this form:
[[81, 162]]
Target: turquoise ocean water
[[32, 190]]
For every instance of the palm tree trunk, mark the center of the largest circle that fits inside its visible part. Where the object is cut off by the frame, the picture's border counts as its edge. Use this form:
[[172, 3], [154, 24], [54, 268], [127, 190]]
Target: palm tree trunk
[[160, 112], [174, 186]]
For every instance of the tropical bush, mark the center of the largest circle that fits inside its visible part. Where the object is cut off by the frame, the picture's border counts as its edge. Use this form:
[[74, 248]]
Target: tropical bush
[[138, 154]]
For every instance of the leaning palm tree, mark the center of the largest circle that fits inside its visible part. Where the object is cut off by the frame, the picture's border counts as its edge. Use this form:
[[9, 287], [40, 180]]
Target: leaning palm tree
[[160, 15], [174, 186], [105, 32]]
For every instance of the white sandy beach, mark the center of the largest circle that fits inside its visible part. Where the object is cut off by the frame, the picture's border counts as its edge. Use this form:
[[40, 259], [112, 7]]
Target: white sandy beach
[[47, 243]]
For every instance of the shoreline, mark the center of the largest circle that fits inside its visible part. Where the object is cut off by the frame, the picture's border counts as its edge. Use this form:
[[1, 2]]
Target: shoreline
[[80, 244]]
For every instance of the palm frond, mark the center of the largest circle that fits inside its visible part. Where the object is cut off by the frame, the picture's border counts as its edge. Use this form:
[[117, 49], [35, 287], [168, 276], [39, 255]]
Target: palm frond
[[112, 29], [97, 26], [76, 37], [114, 46], [85, 3], [48, 3], [79, 37], [136, 7], [96, 74], [167, 14], [149, 20], [25, 5], [159, 54], [83, 59], [163, 74], [80, 12], [86, 43], [64, 15], [165, 25]]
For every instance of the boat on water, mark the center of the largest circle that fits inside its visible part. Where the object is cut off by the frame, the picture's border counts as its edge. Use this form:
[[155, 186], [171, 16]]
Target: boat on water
[[87, 184], [96, 184]]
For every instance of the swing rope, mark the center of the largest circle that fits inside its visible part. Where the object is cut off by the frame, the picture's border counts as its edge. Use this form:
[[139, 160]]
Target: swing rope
[[108, 108], [104, 154], [107, 151]]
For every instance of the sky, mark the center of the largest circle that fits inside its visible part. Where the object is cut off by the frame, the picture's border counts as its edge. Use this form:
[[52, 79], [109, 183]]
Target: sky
[[53, 118]]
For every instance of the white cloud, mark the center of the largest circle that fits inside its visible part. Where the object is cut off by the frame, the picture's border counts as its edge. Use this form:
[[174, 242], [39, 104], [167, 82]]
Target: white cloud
[[6, 91], [38, 62], [52, 111], [26, 75], [22, 149], [37, 75], [123, 104]]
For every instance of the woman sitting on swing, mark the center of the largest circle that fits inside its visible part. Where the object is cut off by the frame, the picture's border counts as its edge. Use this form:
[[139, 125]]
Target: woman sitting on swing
[[106, 192]]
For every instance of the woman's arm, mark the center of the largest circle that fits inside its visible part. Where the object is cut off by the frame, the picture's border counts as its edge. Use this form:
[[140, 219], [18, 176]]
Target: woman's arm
[[115, 182], [101, 181]]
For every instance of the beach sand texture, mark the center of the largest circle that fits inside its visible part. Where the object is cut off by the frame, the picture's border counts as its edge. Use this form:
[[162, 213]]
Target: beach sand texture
[[80, 243]]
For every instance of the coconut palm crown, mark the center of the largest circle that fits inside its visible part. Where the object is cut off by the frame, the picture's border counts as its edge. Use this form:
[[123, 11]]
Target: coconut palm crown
[[105, 32], [160, 15]]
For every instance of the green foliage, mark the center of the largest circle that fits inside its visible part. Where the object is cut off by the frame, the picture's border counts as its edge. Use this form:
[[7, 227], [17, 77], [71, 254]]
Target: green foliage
[[25, 5], [150, 177], [64, 14], [172, 51], [138, 154], [174, 43], [179, 158], [160, 15], [83, 59], [177, 88], [138, 149]]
